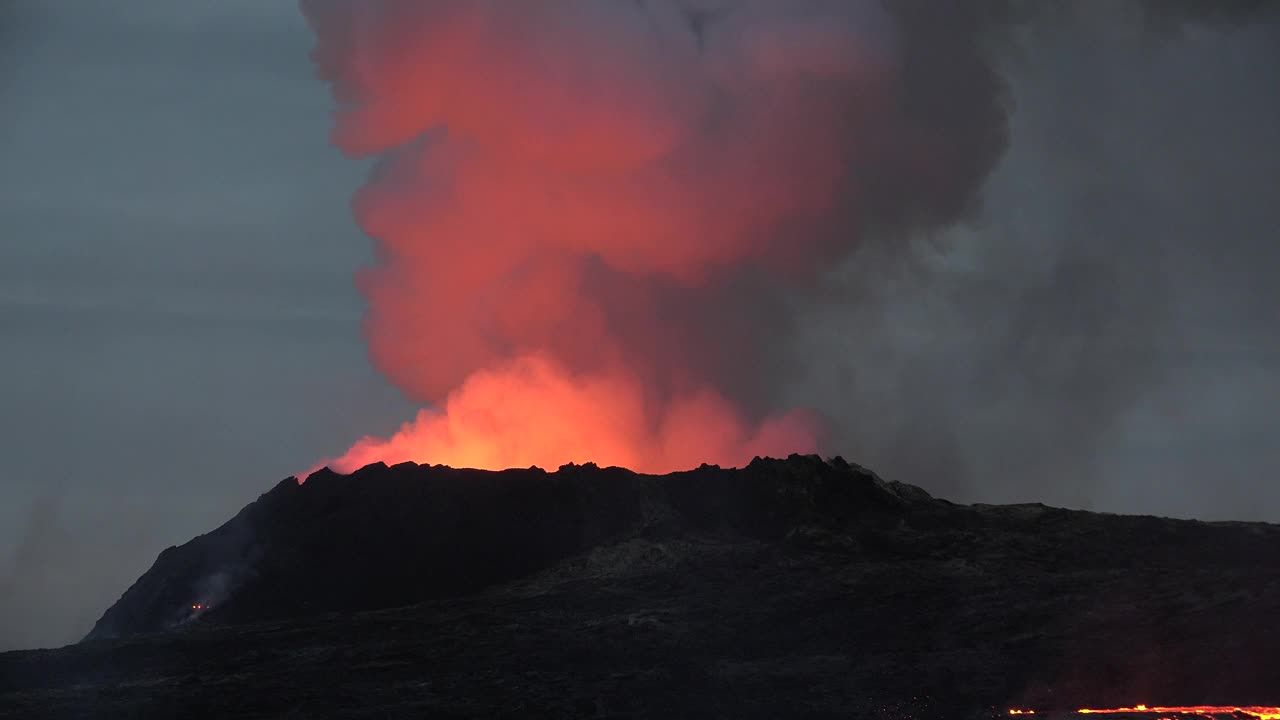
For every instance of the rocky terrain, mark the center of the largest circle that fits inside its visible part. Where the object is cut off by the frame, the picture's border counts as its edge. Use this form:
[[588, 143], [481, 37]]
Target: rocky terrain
[[789, 588]]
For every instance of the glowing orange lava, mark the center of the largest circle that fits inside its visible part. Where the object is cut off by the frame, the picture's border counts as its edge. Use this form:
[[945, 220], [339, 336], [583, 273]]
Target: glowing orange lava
[[1252, 711], [1168, 711], [532, 412]]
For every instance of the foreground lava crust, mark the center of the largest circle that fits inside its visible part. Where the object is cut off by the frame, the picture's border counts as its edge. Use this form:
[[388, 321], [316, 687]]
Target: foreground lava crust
[[787, 588]]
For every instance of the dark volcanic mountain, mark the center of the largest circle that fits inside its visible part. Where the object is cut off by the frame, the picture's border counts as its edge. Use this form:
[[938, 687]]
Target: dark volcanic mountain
[[787, 588]]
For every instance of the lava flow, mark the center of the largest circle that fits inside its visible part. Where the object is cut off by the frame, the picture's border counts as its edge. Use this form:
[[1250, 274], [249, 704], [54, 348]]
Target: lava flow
[[1168, 712], [1212, 711]]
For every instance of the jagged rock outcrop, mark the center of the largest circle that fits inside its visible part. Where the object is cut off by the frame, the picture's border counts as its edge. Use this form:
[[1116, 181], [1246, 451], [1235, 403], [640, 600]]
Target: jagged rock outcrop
[[390, 536]]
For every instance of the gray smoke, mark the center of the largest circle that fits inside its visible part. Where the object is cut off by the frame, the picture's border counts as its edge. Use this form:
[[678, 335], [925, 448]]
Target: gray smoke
[[1101, 334], [1093, 326]]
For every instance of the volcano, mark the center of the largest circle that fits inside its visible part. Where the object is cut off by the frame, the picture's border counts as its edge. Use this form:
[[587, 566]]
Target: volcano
[[796, 587]]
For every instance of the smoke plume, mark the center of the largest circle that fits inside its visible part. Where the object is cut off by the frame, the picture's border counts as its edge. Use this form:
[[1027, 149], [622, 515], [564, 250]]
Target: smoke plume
[[592, 218], [640, 232], [1099, 335]]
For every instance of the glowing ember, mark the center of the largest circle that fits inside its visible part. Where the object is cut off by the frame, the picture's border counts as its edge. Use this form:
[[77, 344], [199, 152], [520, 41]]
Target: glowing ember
[[586, 215], [1260, 713], [534, 413], [1167, 712]]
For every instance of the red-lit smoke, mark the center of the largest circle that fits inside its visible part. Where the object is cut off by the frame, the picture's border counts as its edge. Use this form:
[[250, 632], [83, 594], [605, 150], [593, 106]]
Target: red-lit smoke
[[573, 198]]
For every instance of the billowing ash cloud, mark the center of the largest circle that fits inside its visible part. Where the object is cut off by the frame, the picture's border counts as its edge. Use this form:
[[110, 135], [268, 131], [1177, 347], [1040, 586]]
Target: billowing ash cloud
[[591, 216]]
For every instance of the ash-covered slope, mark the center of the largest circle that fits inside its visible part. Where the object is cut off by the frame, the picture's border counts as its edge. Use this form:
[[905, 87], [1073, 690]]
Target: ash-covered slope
[[389, 536], [788, 588]]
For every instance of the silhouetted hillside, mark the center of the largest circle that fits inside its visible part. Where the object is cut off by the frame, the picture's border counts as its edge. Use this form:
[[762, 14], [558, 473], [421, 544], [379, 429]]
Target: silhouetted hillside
[[789, 587], [384, 537]]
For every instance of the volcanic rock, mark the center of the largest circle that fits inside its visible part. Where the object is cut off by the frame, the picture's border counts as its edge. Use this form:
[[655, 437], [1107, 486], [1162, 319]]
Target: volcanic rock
[[796, 587]]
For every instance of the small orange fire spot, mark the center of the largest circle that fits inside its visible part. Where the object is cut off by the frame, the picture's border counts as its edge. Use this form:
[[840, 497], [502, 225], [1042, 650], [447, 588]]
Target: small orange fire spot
[[1252, 711], [1172, 712]]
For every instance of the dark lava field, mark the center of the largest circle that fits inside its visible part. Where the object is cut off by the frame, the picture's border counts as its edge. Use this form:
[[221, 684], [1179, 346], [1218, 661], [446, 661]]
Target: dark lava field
[[789, 588]]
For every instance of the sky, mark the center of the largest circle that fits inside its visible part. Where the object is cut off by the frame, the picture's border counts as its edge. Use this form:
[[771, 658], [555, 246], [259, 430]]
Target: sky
[[179, 328], [178, 325]]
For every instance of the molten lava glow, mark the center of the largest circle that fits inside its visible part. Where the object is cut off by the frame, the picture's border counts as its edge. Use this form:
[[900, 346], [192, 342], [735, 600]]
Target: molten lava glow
[[591, 217], [533, 412], [1167, 712], [1253, 711]]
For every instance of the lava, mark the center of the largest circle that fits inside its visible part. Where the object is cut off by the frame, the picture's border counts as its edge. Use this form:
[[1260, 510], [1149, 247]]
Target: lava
[[1252, 711], [534, 413], [1168, 712]]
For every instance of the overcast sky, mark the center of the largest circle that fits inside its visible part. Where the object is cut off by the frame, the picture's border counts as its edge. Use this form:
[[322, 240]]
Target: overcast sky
[[179, 329], [178, 325]]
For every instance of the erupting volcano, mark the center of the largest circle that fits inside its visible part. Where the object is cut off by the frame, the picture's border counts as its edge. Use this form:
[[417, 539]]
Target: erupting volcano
[[589, 215], [621, 251]]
